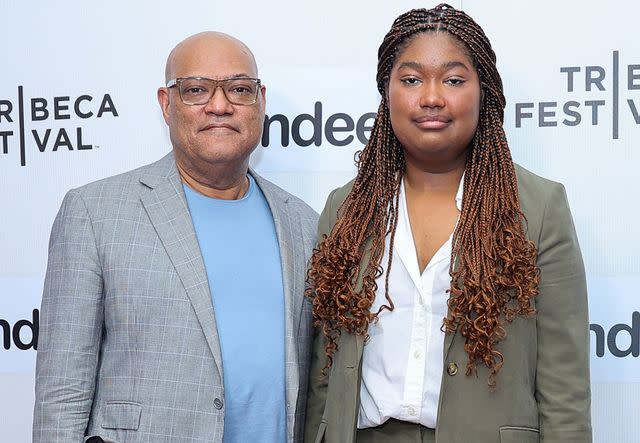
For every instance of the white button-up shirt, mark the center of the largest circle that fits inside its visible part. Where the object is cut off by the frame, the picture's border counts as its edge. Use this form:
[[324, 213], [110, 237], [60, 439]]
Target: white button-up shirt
[[403, 359]]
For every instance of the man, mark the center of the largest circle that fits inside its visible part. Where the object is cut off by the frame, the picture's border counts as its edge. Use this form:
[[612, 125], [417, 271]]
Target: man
[[173, 305]]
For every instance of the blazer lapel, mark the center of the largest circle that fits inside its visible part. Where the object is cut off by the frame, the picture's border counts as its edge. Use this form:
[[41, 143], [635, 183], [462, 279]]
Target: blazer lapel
[[167, 208], [448, 337], [293, 270]]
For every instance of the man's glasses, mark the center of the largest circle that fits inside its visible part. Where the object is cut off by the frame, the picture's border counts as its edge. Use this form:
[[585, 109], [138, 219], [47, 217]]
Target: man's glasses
[[199, 90]]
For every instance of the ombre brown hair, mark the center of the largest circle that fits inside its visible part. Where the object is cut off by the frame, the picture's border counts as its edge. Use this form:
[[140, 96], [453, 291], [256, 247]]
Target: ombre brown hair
[[494, 276]]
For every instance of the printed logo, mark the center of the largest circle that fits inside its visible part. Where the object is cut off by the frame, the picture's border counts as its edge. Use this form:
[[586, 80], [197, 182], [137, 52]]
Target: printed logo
[[597, 98], [50, 112], [23, 333], [338, 129], [618, 331]]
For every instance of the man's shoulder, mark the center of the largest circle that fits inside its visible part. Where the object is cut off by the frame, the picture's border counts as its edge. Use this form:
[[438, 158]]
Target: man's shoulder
[[295, 204], [126, 182]]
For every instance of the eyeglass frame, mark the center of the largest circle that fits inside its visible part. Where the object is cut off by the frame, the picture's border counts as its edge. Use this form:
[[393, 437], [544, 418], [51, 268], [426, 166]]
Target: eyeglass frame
[[176, 82]]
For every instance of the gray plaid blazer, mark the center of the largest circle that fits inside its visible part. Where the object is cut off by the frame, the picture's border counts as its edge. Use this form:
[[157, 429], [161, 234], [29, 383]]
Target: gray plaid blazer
[[128, 347]]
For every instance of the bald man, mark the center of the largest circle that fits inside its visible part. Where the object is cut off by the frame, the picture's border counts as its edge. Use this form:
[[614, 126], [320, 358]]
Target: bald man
[[173, 306]]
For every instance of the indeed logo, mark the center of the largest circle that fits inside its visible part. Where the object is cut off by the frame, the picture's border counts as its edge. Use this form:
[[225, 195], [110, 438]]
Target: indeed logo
[[338, 129], [618, 330], [15, 333]]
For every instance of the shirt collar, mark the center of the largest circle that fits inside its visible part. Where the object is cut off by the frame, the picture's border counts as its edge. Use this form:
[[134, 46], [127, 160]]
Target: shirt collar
[[460, 193]]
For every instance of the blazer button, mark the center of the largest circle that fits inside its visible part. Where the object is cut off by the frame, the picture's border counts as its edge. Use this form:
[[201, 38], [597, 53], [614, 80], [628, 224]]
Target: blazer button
[[452, 369], [217, 403]]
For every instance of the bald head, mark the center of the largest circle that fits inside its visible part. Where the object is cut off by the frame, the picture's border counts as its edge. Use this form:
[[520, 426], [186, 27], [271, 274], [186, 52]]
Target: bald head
[[195, 52]]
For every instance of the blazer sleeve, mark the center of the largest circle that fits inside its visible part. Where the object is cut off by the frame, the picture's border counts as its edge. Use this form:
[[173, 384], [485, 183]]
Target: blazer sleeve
[[71, 324], [318, 384], [562, 376]]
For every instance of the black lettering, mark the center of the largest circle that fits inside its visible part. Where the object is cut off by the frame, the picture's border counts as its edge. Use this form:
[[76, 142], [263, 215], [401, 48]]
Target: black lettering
[[634, 111], [78, 111], [107, 106], [570, 70], [594, 109], [34, 325], [39, 109], [5, 110], [520, 115], [59, 105], [62, 140], [42, 144], [330, 129], [362, 127], [600, 338], [316, 121], [543, 114], [81, 147], [6, 333], [569, 111], [284, 129], [634, 333], [593, 75], [4, 135], [633, 74]]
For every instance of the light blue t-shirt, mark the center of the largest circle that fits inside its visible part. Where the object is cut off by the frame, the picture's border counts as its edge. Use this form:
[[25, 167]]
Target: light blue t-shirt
[[242, 258]]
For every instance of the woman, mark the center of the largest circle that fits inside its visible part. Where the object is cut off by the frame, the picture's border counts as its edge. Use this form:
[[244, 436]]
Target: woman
[[449, 293]]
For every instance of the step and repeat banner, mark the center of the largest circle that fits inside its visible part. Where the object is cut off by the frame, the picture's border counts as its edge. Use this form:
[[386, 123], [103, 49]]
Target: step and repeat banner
[[78, 103]]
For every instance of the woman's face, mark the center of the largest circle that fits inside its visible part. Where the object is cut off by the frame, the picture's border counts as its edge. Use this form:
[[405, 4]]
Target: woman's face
[[434, 101]]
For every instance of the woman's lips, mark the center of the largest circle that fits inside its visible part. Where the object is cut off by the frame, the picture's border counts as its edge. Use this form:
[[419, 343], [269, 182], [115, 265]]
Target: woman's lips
[[432, 122]]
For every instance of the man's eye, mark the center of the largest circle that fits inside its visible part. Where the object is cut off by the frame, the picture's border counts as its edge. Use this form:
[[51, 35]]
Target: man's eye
[[241, 90], [194, 90]]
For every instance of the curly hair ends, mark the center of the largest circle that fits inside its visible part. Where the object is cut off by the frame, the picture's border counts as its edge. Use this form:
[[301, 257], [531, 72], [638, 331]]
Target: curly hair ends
[[494, 276]]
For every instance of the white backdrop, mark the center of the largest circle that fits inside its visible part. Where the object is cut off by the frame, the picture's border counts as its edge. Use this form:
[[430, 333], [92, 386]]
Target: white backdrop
[[84, 75]]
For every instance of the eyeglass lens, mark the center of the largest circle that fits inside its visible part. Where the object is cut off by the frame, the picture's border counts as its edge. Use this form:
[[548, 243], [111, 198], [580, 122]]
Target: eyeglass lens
[[239, 91]]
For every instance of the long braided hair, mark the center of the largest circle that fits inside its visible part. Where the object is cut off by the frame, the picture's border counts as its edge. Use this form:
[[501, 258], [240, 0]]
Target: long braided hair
[[495, 276]]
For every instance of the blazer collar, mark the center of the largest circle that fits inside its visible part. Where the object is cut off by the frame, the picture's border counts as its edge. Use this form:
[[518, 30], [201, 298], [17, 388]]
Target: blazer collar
[[167, 208]]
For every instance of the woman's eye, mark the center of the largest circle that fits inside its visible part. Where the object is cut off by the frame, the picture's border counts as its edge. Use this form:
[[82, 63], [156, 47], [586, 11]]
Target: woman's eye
[[410, 81], [454, 81]]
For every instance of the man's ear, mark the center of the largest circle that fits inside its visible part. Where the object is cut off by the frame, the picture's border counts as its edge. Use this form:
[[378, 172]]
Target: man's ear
[[164, 102]]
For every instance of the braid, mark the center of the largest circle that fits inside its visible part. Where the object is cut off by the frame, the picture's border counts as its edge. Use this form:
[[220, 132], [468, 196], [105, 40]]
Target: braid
[[493, 265]]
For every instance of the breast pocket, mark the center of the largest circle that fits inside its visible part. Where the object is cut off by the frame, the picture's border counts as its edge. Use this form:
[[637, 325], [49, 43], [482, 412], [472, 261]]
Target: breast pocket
[[519, 434], [121, 415]]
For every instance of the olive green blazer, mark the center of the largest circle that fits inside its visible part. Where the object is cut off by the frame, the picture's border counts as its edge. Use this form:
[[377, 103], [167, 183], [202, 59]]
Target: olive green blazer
[[543, 389]]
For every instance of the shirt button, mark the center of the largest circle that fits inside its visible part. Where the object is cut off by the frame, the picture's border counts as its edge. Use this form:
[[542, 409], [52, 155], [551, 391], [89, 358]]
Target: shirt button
[[217, 403], [417, 354], [411, 410], [452, 369]]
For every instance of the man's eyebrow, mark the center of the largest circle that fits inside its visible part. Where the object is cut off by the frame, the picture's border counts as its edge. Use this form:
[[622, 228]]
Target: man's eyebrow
[[241, 75]]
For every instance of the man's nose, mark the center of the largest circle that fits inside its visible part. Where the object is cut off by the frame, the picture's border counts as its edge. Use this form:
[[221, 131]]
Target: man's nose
[[218, 103]]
